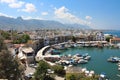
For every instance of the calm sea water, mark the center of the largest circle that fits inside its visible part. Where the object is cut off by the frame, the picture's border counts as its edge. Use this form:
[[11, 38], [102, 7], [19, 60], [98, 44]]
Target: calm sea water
[[99, 57], [113, 32], [98, 61]]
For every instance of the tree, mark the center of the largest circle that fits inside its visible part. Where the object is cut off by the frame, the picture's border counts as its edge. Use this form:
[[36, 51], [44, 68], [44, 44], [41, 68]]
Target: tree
[[72, 77], [41, 70], [25, 38], [17, 39], [73, 38], [2, 45], [108, 38], [5, 35], [80, 76], [9, 66], [59, 70]]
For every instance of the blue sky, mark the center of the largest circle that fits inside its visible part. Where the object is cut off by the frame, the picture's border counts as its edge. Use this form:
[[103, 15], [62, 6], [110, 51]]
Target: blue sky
[[98, 14]]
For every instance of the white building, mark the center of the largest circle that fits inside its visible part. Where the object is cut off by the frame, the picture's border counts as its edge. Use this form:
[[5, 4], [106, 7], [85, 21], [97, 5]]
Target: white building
[[26, 53], [99, 36]]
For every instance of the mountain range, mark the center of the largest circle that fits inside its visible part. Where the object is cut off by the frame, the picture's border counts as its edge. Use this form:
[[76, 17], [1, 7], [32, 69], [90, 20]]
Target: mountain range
[[18, 23]]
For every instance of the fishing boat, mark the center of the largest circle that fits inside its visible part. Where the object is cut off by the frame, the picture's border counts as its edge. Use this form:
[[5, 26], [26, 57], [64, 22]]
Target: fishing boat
[[114, 59], [82, 61], [118, 75], [87, 58], [85, 55], [119, 63], [103, 76], [119, 68]]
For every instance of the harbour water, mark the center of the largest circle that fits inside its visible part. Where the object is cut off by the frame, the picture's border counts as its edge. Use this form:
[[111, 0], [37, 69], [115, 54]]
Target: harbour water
[[113, 32], [98, 61], [99, 57]]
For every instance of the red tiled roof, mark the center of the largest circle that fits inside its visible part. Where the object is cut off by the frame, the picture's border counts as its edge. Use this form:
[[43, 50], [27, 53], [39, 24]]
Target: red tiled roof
[[18, 45], [115, 38]]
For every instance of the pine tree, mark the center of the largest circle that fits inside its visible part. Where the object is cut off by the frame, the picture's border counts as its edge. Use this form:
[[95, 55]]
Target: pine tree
[[10, 66], [41, 70]]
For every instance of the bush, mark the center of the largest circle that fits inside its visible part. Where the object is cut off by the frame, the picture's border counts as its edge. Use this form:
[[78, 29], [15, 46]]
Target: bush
[[5, 35], [41, 70], [59, 70], [72, 77], [21, 38], [73, 38], [108, 38], [80, 76]]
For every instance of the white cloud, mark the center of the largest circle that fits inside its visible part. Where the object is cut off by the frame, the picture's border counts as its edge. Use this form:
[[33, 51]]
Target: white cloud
[[29, 7], [64, 14], [29, 17], [7, 1], [38, 18], [44, 13], [23, 17], [26, 17], [88, 17], [16, 5], [13, 3], [2, 14]]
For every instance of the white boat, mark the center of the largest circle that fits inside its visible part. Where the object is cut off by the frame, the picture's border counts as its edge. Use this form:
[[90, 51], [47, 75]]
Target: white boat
[[70, 65], [114, 59], [92, 72], [84, 69], [119, 63], [119, 68], [82, 61], [103, 75], [87, 57], [118, 75]]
